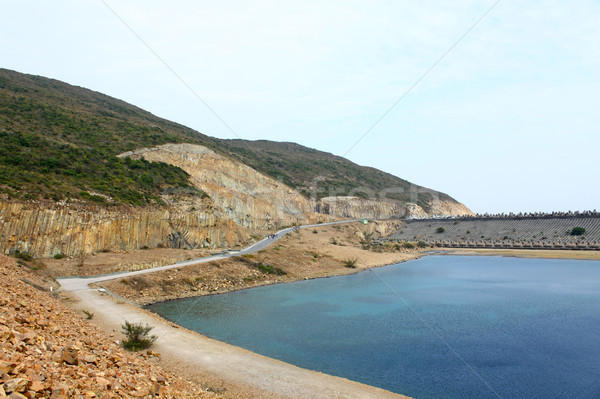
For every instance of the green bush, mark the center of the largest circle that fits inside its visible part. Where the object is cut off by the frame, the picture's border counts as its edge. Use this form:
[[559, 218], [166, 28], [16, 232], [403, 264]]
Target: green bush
[[350, 262], [137, 337], [440, 230], [22, 255], [422, 244], [268, 269], [59, 256], [577, 231], [408, 245]]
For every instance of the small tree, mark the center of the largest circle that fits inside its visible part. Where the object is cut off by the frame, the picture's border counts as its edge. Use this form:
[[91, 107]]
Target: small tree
[[137, 336], [577, 231]]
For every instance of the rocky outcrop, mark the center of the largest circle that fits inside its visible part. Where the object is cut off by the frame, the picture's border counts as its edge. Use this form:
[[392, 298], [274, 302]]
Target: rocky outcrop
[[438, 208], [249, 198], [49, 351], [240, 202], [71, 229], [256, 201], [355, 208]]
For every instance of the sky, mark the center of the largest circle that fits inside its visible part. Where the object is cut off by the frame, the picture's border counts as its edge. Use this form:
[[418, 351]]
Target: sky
[[496, 103]]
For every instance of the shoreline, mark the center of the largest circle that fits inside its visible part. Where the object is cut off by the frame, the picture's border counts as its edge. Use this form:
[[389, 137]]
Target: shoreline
[[218, 371], [233, 371], [227, 369]]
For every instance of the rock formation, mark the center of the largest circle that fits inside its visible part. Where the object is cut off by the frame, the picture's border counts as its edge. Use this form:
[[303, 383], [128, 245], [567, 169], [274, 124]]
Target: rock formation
[[71, 229], [241, 202]]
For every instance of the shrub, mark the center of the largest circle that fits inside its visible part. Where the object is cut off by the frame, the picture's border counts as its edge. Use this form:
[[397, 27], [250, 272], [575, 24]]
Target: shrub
[[137, 337], [408, 245], [23, 255], [577, 231], [59, 256], [350, 262], [421, 244], [440, 230], [88, 314], [268, 269]]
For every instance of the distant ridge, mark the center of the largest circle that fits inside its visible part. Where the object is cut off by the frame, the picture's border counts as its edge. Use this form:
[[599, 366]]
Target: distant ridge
[[61, 141]]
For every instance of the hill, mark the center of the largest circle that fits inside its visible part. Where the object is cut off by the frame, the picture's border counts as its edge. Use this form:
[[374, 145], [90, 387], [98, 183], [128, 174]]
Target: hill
[[62, 141]]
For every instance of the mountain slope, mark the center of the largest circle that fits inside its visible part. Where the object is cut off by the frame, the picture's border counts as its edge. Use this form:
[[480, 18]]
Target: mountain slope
[[61, 141]]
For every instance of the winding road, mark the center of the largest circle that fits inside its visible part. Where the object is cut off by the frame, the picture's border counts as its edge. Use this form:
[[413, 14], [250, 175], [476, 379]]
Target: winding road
[[82, 283]]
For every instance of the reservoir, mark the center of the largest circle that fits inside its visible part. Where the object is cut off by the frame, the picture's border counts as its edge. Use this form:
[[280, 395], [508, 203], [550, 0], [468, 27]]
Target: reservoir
[[437, 327]]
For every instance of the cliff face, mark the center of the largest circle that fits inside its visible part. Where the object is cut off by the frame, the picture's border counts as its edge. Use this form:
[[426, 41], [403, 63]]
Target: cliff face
[[241, 201], [256, 201], [355, 208], [45, 230], [249, 198], [438, 207]]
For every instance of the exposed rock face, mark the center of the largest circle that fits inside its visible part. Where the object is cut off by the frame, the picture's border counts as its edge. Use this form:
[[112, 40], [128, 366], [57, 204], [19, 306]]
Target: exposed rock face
[[49, 351], [258, 202], [248, 197], [241, 201], [46, 230], [354, 207], [438, 208]]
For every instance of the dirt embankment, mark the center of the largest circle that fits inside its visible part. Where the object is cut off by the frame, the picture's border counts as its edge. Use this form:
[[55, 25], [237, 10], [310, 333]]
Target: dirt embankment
[[47, 350], [304, 254]]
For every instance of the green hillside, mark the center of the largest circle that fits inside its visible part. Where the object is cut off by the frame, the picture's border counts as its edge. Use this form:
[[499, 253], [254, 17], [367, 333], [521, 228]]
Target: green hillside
[[61, 141]]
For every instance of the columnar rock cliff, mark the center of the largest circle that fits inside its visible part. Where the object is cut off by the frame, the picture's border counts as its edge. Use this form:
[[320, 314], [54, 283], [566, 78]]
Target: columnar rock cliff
[[72, 229]]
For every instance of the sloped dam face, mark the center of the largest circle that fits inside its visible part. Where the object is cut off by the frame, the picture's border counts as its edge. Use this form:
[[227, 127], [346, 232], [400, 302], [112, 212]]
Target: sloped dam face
[[437, 327]]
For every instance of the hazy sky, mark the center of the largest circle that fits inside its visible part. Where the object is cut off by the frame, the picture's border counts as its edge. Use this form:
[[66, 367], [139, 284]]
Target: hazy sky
[[508, 120]]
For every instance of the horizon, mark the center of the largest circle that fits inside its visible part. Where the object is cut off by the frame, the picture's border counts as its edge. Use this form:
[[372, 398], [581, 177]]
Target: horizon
[[499, 99]]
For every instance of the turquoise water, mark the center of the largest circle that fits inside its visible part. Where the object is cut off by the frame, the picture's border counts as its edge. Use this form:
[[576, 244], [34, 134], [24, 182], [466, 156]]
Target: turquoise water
[[514, 328]]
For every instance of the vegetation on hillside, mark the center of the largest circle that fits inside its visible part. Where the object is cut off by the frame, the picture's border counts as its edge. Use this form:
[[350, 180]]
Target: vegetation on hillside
[[61, 141]]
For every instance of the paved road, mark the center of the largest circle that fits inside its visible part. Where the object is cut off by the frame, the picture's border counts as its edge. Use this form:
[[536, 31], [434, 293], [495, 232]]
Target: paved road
[[81, 283]]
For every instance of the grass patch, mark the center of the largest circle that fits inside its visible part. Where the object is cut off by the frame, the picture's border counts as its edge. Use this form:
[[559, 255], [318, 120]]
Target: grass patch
[[268, 269]]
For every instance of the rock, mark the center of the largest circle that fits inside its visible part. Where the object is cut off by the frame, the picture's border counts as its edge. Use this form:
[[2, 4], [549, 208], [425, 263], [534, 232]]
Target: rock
[[103, 382], [16, 385], [7, 367], [90, 359], [37, 386], [69, 355]]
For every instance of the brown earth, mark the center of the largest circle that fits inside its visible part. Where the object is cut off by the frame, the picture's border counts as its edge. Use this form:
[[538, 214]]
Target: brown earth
[[110, 262], [304, 254], [47, 350]]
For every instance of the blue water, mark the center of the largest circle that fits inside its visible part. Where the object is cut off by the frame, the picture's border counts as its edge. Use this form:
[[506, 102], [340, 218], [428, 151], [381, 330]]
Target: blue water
[[438, 327]]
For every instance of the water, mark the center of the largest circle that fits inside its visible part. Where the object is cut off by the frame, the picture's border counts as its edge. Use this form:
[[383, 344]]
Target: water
[[527, 328]]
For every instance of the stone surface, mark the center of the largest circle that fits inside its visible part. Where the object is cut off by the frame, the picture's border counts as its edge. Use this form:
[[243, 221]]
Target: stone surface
[[67, 357]]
